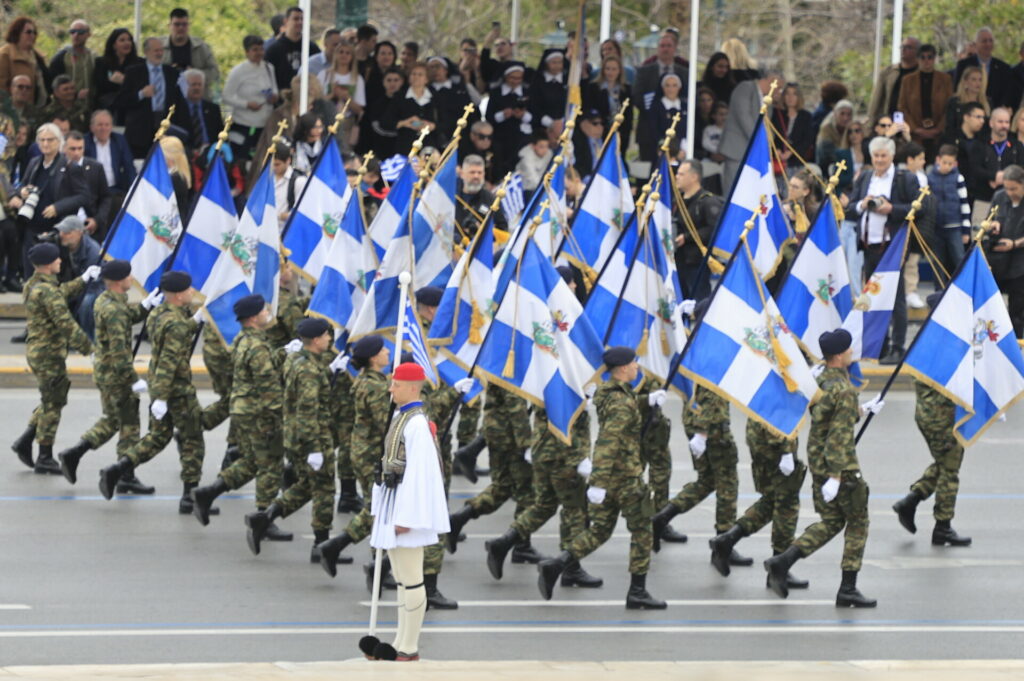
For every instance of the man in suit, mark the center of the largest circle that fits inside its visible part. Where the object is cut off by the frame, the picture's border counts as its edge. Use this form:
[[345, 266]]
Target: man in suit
[[925, 115], [98, 208], [998, 79], [648, 79], [147, 93], [111, 152], [204, 116], [744, 110]]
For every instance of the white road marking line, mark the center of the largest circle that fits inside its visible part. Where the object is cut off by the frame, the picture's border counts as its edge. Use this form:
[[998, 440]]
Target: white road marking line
[[14, 606], [613, 603]]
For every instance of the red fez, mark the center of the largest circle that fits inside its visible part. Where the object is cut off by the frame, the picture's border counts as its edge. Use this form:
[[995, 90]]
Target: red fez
[[410, 371]]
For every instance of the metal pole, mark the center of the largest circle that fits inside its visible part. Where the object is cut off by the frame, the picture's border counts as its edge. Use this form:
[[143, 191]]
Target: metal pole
[[514, 33], [138, 22], [606, 19], [691, 81], [307, 19], [897, 30], [879, 18]]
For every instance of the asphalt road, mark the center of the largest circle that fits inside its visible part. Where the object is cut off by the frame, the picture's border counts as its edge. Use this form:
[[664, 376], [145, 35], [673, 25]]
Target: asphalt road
[[87, 581]]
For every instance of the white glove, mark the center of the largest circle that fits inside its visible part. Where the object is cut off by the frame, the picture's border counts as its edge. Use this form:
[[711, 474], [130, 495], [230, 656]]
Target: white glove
[[595, 495], [463, 385], [589, 389], [817, 369], [153, 299], [830, 489], [657, 398], [315, 460], [699, 444], [340, 363], [874, 405], [140, 386], [528, 456], [198, 316], [787, 464], [158, 409], [585, 468], [1002, 418], [294, 345], [90, 273], [688, 306]]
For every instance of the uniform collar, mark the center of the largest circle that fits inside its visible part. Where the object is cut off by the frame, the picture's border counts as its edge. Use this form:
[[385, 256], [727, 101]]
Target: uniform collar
[[410, 406]]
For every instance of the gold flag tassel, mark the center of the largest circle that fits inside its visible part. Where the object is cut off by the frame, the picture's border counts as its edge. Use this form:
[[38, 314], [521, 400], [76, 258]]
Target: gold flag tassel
[[510, 364], [476, 322], [665, 349], [641, 350]]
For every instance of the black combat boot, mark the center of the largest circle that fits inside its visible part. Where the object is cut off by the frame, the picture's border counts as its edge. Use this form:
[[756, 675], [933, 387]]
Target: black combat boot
[[349, 500], [736, 560], [111, 474], [575, 575], [673, 536], [129, 484], [258, 523], [722, 548], [275, 533], [457, 521], [523, 552], [330, 550], [387, 579], [202, 499], [944, 534], [319, 537], [45, 463], [497, 550], [231, 455], [436, 599], [778, 569], [549, 571], [637, 598], [23, 446], [69, 459], [905, 509], [792, 581], [185, 505], [464, 459], [661, 520], [849, 596]]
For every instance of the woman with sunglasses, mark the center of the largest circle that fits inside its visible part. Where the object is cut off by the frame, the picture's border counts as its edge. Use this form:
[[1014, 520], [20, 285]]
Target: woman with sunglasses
[[19, 57]]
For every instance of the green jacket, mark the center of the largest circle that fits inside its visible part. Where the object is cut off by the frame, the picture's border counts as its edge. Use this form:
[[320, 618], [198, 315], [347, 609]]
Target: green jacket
[[830, 444], [114, 320], [616, 453], [51, 328], [171, 332], [371, 401], [307, 404], [290, 311], [256, 377], [708, 411]]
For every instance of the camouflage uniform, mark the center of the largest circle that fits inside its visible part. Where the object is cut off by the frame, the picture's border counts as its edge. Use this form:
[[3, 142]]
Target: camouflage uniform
[[307, 429], [291, 308], [371, 404], [935, 415], [469, 421], [555, 480], [171, 330], [655, 446], [831, 453], [114, 373], [256, 404], [779, 503], [77, 115], [618, 469], [342, 408], [439, 403], [507, 431], [716, 469], [51, 331], [217, 358]]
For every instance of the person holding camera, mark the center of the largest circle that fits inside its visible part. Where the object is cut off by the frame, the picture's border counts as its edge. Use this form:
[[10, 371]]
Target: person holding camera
[[1004, 247], [83, 252]]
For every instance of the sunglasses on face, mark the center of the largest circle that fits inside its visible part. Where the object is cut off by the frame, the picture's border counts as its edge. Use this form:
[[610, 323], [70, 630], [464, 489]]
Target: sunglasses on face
[[29, 31], [482, 135]]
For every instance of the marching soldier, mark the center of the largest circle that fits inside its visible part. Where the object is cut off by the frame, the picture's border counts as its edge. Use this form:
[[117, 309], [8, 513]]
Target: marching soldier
[[657, 455], [51, 331], [174, 405], [342, 416], [840, 492], [115, 375], [217, 359], [616, 485]]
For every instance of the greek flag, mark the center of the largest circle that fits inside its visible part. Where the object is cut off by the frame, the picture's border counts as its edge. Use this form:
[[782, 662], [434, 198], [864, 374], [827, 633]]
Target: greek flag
[[318, 212], [742, 350], [554, 224], [150, 225], [260, 217], [392, 210], [967, 350], [540, 345], [754, 195], [391, 168], [514, 202], [868, 322], [212, 225], [433, 228], [413, 335]]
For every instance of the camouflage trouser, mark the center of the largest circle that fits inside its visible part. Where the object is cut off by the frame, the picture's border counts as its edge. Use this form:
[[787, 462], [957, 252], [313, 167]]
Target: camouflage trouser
[[52, 376], [849, 509], [632, 498], [659, 472], [183, 413], [120, 413], [217, 412], [780, 499], [342, 433], [510, 479], [716, 472], [433, 555], [555, 482], [262, 447], [315, 486], [942, 477], [361, 525], [469, 421]]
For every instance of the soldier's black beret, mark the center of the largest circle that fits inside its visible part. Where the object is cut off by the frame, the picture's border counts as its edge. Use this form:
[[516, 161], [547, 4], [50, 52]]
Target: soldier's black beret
[[367, 347], [175, 281], [618, 356], [834, 342], [566, 273], [312, 327], [249, 306], [116, 270], [43, 254], [430, 296]]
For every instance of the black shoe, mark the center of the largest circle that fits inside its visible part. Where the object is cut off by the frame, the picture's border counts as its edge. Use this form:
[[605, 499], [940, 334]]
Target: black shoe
[[23, 446], [464, 459], [849, 596], [258, 523], [722, 549], [319, 537], [69, 459], [45, 463], [549, 571], [944, 534], [21, 337], [129, 484], [778, 570], [349, 501], [736, 560], [671, 536], [792, 581], [330, 550], [575, 575], [893, 358], [524, 552], [905, 509], [110, 475], [202, 499], [661, 520], [275, 533], [497, 550], [185, 504], [435, 599], [457, 521], [231, 455], [637, 598]]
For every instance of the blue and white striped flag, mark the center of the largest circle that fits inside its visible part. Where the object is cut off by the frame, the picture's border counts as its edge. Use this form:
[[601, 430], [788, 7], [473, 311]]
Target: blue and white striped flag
[[391, 168], [742, 350], [392, 210], [413, 335], [211, 227], [318, 212], [260, 217], [513, 204], [433, 228], [967, 350], [150, 226], [550, 234], [868, 321], [754, 194]]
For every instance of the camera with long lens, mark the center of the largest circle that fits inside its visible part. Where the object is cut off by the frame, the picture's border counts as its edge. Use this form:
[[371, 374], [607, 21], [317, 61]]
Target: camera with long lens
[[28, 208], [53, 236]]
